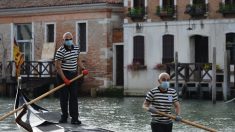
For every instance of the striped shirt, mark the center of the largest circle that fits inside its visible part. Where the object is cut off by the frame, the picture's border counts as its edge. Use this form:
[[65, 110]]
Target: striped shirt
[[163, 102], [68, 57]]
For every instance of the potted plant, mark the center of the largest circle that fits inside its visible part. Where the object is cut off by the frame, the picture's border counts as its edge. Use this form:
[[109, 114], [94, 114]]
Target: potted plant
[[160, 66], [135, 66], [136, 13]]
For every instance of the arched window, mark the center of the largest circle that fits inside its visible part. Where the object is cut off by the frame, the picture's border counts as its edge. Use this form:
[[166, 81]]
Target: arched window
[[138, 51], [168, 48]]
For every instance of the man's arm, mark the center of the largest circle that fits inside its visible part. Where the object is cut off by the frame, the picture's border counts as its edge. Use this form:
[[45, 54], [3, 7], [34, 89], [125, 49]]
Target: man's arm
[[59, 70], [146, 105], [177, 107]]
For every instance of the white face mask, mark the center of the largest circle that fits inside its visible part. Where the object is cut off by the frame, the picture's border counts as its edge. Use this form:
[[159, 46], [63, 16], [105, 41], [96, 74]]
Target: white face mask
[[165, 85]]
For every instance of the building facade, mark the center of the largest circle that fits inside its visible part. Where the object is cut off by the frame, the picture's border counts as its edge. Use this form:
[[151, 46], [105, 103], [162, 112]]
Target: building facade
[[154, 30], [38, 27]]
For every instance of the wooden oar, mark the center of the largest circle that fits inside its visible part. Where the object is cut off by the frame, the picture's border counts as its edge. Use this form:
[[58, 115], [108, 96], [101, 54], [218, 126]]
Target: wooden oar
[[39, 97], [230, 100], [187, 122]]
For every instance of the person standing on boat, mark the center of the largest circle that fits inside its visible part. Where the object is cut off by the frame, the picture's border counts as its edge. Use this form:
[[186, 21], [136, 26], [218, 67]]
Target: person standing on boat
[[67, 62], [162, 98]]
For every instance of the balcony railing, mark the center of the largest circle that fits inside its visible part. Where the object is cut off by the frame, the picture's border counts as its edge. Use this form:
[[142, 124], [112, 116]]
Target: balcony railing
[[197, 10], [166, 11], [36, 69], [197, 72], [227, 8], [136, 14]]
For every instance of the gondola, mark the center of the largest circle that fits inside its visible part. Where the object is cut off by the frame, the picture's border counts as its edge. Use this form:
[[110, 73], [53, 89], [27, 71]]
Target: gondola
[[34, 118]]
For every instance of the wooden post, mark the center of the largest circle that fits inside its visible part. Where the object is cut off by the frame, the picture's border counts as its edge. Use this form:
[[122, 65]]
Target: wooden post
[[93, 92], [214, 76], [229, 71], [225, 86], [176, 73]]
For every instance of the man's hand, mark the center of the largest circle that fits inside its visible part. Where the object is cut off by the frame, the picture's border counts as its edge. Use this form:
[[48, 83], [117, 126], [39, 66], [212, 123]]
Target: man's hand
[[66, 81], [152, 109], [178, 118], [84, 72]]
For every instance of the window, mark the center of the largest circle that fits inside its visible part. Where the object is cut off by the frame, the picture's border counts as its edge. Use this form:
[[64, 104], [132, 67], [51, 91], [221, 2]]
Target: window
[[166, 3], [229, 1], [138, 3], [23, 38], [166, 9], [138, 52], [196, 2], [50, 33], [168, 48], [82, 36]]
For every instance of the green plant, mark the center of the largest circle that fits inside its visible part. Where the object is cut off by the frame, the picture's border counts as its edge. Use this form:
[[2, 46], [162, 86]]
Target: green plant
[[135, 12], [223, 8], [207, 67], [166, 10]]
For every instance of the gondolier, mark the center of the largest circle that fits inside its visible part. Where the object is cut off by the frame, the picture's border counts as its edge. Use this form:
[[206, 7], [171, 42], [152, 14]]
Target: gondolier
[[67, 62], [161, 98], [34, 118]]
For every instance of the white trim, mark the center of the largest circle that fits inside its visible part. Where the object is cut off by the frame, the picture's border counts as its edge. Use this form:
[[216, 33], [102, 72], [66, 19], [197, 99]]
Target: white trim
[[45, 32], [32, 41], [83, 21], [145, 3], [191, 2], [12, 40], [125, 3], [160, 3], [132, 3]]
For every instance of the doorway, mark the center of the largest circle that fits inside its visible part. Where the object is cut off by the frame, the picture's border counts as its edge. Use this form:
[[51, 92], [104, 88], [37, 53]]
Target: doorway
[[119, 66], [201, 49]]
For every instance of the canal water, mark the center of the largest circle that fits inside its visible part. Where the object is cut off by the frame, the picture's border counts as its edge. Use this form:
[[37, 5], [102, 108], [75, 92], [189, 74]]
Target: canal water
[[126, 114]]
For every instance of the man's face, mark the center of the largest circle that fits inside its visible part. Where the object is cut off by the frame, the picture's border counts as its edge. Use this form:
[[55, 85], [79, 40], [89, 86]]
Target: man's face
[[68, 37], [164, 78]]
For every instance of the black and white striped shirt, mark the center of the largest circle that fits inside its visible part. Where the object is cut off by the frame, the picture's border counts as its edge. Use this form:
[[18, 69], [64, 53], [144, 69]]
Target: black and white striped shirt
[[163, 102], [68, 57]]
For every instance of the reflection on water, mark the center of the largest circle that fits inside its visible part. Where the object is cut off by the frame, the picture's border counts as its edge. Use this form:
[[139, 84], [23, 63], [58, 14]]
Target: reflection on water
[[126, 114]]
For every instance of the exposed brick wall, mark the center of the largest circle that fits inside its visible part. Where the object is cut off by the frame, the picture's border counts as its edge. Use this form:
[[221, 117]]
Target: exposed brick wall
[[181, 6], [100, 38], [117, 35]]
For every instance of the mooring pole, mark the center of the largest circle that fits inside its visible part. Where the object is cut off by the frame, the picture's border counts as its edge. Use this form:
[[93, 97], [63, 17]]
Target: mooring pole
[[225, 86], [214, 76], [176, 73]]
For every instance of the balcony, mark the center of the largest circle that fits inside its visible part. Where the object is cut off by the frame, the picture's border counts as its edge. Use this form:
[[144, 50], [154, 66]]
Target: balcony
[[166, 11], [136, 14], [227, 9], [197, 10]]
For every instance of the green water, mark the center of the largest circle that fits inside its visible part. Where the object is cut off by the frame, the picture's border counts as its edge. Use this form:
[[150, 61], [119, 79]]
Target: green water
[[126, 114]]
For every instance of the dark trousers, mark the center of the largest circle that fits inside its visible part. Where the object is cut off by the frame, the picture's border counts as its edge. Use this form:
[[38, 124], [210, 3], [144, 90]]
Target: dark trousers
[[160, 127], [69, 96]]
